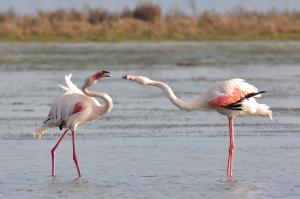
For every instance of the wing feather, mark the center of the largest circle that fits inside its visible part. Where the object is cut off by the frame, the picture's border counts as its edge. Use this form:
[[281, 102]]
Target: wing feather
[[229, 92], [63, 87], [71, 87]]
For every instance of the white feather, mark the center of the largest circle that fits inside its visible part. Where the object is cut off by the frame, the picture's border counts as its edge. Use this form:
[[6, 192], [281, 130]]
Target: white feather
[[70, 86], [227, 88], [63, 87], [264, 110]]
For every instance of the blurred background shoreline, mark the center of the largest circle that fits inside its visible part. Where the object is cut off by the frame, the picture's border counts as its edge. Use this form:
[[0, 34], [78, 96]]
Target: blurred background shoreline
[[148, 21]]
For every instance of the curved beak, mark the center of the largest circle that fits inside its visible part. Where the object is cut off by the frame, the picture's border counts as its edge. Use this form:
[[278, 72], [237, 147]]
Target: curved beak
[[106, 73], [129, 77], [100, 74]]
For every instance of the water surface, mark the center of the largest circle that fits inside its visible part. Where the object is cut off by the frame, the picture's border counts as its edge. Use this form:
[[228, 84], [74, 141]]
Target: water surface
[[146, 147]]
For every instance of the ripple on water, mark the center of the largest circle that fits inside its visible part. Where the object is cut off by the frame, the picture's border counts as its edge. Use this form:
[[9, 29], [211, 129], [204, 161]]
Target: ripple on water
[[146, 147], [234, 188]]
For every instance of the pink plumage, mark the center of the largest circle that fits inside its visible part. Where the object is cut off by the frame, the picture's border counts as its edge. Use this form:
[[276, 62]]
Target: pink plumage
[[229, 92], [232, 98], [73, 108]]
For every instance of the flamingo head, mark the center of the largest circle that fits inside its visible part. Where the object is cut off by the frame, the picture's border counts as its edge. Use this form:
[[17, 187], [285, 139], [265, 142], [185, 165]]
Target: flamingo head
[[139, 79], [97, 76]]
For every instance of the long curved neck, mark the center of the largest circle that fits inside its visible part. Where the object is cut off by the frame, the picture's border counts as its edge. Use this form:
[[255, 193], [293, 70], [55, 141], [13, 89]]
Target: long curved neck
[[107, 99], [193, 105]]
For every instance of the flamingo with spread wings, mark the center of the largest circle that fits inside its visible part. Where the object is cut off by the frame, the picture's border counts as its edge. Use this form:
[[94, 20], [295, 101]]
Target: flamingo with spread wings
[[232, 98], [75, 107]]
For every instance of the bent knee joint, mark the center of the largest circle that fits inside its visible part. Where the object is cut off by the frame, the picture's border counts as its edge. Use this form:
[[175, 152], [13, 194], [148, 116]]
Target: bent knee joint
[[231, 149], [74, 157]]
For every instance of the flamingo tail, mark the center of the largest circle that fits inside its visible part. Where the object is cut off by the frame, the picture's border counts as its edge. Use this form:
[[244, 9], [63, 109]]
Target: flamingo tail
[[39, 132], [264, 110]]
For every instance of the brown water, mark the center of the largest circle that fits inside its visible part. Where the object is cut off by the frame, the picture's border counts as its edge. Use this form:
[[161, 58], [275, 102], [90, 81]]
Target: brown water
[[146, 147]]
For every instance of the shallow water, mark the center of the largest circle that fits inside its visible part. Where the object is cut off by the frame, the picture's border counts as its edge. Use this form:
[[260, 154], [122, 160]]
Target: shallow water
[[147, 148], [152, 167]]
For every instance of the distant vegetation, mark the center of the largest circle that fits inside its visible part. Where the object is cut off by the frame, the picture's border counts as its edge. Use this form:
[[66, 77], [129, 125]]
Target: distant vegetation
[[147, 23]]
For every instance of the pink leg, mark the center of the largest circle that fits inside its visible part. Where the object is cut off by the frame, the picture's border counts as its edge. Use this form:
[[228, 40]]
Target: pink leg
[[74, 153], [53, 151], [231, 148]]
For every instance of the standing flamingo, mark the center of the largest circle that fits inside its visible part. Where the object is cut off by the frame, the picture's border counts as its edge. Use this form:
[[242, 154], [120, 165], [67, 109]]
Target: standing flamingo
[[75, 107], [232, 98]]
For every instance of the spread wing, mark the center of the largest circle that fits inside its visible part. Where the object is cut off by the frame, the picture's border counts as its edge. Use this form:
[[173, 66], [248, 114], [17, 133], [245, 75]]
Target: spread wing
[[71, 87]]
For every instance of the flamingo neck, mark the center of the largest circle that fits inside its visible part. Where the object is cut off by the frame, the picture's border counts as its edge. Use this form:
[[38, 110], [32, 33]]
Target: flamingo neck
[[192, 105], [107, 99]]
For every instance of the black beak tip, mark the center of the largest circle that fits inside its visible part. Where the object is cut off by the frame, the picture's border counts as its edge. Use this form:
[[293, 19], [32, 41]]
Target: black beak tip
[[104, 71], [124, 77]]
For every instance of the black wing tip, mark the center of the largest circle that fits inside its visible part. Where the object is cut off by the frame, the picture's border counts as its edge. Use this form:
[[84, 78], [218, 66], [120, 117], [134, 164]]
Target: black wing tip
[[262, 92], [234, 107], [249, 95]]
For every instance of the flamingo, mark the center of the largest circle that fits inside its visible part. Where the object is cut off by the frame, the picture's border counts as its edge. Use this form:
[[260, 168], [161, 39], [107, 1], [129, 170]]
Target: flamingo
[[232, 98], [75, 107]]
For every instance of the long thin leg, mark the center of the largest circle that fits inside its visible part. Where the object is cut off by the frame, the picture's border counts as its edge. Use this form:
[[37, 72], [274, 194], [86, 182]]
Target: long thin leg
[[75, 154], [53, 151], [231, 147]]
